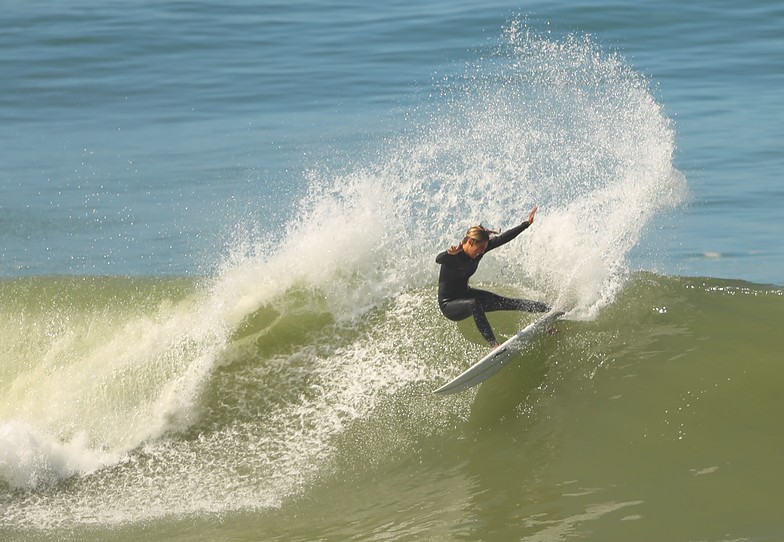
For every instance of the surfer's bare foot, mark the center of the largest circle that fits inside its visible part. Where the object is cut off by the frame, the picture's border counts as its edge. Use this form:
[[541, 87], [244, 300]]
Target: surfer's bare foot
[[494, 345]]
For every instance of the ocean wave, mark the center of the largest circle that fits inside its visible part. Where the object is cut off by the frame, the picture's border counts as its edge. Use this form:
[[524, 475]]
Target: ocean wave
[[312, 343]]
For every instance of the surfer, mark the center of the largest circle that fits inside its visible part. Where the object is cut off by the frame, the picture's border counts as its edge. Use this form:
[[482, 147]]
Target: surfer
[[457, 299]]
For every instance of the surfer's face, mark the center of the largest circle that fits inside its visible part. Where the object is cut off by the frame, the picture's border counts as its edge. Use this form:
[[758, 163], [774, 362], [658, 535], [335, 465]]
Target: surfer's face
[[474, 248]]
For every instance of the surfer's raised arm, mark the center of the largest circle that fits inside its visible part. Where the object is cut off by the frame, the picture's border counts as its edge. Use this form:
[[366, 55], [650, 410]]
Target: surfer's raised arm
[[531, 216]]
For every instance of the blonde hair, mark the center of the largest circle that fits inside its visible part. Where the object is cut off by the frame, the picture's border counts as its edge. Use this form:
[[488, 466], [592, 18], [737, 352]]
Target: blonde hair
[[478, 234]]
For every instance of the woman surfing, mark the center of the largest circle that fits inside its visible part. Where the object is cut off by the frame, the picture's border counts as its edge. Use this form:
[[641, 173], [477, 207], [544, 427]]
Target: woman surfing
[[457, 299]]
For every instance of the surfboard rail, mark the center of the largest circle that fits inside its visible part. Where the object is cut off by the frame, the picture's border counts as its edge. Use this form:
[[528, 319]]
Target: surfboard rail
[[495, 360]]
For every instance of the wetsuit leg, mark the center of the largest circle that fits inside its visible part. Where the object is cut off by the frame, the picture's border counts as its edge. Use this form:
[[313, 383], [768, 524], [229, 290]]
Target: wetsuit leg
[[460, 309], [480, 301], [494, 302]]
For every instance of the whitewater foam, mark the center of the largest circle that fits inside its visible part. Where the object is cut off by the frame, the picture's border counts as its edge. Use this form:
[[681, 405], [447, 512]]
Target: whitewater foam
[[29, 458], [105, 379]]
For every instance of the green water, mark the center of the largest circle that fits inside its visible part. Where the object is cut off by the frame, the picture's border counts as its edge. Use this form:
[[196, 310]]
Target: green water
[[654, 421]]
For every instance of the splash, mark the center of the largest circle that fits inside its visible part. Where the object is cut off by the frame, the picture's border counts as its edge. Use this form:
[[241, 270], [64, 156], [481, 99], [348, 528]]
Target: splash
[[558, 124]]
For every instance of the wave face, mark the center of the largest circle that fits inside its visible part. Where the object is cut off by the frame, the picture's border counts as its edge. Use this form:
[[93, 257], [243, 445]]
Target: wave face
[[313, 347], [111, 415]]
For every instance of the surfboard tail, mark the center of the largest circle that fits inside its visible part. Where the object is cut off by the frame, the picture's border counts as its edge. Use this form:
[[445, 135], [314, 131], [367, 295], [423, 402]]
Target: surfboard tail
[[495, 360]]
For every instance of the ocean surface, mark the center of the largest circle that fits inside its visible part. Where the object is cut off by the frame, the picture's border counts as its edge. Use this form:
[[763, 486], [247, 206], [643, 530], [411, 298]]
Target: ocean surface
[[218, 225]]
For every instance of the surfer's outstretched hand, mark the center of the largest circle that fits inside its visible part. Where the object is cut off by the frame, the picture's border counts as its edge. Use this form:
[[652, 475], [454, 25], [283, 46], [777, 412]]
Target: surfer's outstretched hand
[[531, 216]]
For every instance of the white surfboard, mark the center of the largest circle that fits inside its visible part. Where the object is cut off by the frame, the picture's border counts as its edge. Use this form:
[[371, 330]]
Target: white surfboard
[[495, 360]]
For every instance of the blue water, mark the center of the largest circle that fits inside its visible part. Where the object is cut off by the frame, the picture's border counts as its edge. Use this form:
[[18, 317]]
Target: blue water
[[138, 137]]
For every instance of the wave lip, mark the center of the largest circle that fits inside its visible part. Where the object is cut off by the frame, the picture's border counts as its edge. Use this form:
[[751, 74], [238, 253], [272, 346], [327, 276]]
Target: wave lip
[[100, 367]]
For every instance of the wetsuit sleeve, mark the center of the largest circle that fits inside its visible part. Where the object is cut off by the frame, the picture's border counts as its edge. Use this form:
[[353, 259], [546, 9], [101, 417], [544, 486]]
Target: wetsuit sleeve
[[507, 236], [441, 257]]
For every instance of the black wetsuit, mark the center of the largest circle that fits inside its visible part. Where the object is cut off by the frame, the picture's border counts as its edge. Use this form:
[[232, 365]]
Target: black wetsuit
[[459, 301]]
